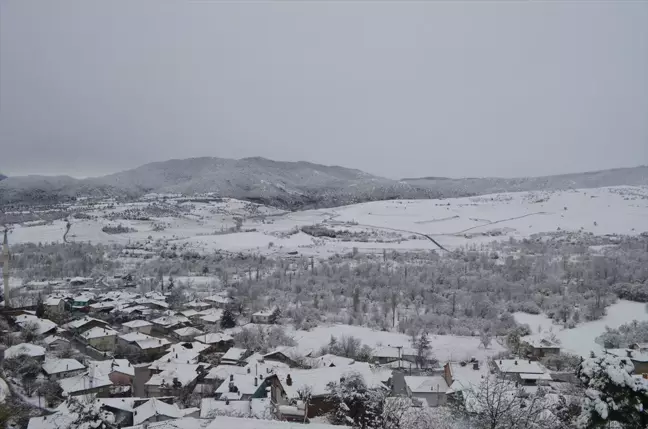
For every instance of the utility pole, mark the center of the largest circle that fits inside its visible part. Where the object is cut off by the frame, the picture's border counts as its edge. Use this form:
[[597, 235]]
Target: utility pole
[[5, 269]]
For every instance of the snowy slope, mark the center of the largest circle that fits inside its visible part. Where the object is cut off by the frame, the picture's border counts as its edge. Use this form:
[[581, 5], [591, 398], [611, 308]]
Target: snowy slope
[[370, 227], [581, 340]]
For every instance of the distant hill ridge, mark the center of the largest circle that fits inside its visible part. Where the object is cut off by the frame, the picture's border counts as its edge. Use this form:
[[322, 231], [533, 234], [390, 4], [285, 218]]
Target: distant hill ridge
[[291, 185], [636, 176]]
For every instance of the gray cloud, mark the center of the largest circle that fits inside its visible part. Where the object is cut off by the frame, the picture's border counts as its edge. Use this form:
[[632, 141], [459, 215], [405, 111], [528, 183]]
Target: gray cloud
[[394, 88]]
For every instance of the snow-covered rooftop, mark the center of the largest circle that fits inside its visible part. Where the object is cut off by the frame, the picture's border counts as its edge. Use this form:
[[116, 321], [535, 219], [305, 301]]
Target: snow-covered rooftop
[[152, 343], [211, 407], [170, 320], [42, 325], [137, 324], [188, 331], [53, 338], [426, 384], [75, 324], [57, 366], [185, 373], [98, 332], [132, 337], [234, 354], [154, 408], [214, 338], [519, 366], [635, 355], [83, 382], [24, 349], [106, 367]]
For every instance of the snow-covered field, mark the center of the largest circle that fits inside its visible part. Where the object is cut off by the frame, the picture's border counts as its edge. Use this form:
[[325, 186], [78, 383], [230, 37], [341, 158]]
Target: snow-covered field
[[398, 224], [444, 347], [581, 340]]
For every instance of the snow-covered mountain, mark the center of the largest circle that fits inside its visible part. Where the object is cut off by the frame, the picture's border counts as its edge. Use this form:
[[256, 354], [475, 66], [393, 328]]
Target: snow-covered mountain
[[282, 184], [636, 176], [293, 185]]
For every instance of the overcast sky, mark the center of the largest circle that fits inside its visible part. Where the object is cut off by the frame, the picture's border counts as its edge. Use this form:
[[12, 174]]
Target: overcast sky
[[399, 89]]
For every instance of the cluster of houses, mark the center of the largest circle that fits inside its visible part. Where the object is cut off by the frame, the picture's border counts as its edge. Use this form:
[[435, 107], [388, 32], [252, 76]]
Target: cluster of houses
[[139, 368]]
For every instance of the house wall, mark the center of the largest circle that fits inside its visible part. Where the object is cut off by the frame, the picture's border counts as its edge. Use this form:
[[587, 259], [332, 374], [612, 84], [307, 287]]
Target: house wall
[[57, 345], [106, 343], [433, 399], [640, 367], [542, 352], [120, 379], [65, 374], [260, 319]]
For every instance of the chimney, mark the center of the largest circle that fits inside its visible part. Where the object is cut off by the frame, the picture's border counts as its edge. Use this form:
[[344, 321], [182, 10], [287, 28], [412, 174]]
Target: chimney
[[476, 366], [516, 362], [629, 352], [231, 377], [289, 380], [256, 382], [249, 370], [529, 360]]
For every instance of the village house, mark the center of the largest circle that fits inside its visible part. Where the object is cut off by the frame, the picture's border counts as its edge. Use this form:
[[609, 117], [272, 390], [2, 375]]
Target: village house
[[82, 302], [638, 358], [216, 341], [191, 314], [282, 354], [102, 307], [187, 334], [142, 326], [198, 305], [25, 349], [76, 327], [155, 410], [235, 356], [141, 343], [85, 384], [55, 305], [40, 326], [431, 389], [173, 379], [538, 346], [218, 301], [120, 372], [526, 372], [166, 324], [55, 369], [53, 343], [103, 339], [387, 354], [284, 388], [185, 353], [263, 317]]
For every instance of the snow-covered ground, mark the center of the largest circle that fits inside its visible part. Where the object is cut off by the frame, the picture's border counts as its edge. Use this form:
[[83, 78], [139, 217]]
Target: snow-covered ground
[[581, 340], [396, 224], [444, 347]]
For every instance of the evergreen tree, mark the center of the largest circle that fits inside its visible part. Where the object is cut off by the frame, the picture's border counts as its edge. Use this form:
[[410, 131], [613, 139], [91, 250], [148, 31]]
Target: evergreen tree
[[40, 307], [227, 319], [612, 394], [356, 300], [275, 316], [422, 350]]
